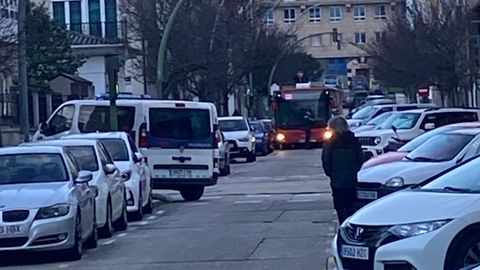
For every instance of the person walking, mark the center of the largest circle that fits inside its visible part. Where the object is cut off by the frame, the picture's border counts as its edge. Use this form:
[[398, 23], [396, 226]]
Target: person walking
[[342, 158], [308, 119]]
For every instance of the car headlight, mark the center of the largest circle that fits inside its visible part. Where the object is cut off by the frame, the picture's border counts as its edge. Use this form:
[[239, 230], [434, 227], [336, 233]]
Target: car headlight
[[377, 140], [414, 229], [54, 211], [244, 139], [395, 182], [280, 137], [253, 139]]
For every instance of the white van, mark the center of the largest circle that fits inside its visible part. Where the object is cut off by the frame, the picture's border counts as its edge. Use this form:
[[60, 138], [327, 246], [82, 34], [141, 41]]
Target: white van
[[177, 138]]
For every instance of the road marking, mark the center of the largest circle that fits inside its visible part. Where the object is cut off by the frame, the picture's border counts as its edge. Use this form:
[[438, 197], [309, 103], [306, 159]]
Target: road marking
[[259, 196], [107, 243], [121, 235], [143, 223], [247, 202], [152, 217], [63, 266], [308, 195], [198, 203], [299, 201], [213, 198], [160, 212]]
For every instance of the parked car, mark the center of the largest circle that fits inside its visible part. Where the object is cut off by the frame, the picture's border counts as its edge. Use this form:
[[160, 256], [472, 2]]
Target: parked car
[[413, 144], [132, 166], [411, 124], [367, 103], [223, 154], [46, 202], [270, 127], [366, 114], [433, 225], [262, 143], [375, 123], [356, 97], [111, 203], [439, 153], [177, 137], [359, 81], [239, 134]]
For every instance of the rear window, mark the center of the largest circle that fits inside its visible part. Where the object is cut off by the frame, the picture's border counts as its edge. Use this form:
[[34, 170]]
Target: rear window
[[97, 118], [116, 148], [232, 125], [85, 157], [180, 127]]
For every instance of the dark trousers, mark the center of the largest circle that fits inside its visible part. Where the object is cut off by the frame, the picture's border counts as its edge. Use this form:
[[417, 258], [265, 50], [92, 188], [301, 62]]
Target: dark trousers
[[308, 136], [343, 199]]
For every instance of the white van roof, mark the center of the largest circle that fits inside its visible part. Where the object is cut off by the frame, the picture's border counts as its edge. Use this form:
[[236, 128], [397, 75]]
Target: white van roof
[[150, 103]]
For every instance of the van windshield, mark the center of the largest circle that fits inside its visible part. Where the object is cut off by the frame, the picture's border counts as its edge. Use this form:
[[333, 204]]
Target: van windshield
[[174, 128]]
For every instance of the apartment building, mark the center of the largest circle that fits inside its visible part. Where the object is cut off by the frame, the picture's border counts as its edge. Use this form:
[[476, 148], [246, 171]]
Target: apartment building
[[359, 22]]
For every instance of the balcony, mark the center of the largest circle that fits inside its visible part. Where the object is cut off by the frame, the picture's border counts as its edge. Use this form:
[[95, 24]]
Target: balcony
[[109, 30]]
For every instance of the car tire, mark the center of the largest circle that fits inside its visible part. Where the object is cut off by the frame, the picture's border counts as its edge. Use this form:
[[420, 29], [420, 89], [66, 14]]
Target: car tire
[[92, 241], [227, 170], [138, 215], [251, 157], [459, 250], [266, 150], [148, 209], [192, 193], [107, 230], [121, 224], [75, 253]]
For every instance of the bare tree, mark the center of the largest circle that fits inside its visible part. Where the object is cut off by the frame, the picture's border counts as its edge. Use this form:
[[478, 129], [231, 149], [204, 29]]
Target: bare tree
[[8, 46]]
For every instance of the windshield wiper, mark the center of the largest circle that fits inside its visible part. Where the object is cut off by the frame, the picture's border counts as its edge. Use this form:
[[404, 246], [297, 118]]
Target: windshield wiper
[[454, 189], [424, 159]]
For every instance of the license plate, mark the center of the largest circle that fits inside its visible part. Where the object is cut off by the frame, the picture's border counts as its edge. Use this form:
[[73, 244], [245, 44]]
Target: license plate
[[367, 195], [353, 252], [178, 173], [13, 229]]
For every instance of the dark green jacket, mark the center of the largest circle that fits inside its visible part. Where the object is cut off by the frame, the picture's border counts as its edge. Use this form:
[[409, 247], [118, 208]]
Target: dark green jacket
[[342, 158]]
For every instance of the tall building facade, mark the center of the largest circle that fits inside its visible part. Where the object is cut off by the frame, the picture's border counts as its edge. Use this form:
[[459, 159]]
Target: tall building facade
[[359, 22]]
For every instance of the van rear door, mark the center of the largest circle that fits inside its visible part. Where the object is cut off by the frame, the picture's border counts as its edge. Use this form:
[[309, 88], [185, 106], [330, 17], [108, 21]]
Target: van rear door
[[180, 142]]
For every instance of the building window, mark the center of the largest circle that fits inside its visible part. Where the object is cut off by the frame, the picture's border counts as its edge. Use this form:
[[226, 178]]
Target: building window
[[75, 16], [315, 14], [380, 12], [359, 13], [94, 18], [316, 41], [270, 17], [335, 14], [289, 15], [379, 36], [59, 12], [111, 29], [360, 38]]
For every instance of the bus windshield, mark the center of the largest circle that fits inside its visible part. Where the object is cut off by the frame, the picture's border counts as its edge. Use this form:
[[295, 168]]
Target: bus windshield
[[291, 113]]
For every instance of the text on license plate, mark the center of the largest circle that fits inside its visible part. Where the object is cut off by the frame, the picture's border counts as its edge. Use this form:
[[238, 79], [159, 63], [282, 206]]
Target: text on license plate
[[9, 229], [353, 252], [177, 173], [367, 195]]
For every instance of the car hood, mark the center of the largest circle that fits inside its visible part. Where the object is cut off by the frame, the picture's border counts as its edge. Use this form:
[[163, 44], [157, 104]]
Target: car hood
[[28, 196], [414, 206], [233, 135], [375, 133], [411, 172], [384, 158]]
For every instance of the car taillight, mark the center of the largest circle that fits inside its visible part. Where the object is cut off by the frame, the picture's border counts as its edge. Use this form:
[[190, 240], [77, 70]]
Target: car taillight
[[216, 139], [143, 136]]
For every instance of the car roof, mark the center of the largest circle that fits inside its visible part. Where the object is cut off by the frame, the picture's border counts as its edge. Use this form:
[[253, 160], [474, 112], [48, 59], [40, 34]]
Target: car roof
[[231, 118], [465, 125], [464, 131], [31, 150], [148, 102], [424, 105], [99, 135], [64, 142]]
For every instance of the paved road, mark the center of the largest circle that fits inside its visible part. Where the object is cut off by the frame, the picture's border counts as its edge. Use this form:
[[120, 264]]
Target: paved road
[[274, 214]]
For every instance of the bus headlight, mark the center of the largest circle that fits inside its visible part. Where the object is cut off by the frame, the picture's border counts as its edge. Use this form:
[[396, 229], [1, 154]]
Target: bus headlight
[[280, 137], [327, 135]]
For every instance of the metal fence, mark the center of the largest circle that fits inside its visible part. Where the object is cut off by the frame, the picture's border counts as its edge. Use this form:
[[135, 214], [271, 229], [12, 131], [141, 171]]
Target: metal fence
[[109, 30]]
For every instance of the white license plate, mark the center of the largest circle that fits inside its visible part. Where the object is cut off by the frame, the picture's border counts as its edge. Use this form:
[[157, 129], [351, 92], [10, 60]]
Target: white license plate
[[13, 229], [367, 195], [353, 252], [178, 173]]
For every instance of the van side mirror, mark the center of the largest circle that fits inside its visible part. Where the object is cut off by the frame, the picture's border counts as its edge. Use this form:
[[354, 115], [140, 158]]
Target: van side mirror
[[138, 157], [110, 169], [429, 126]]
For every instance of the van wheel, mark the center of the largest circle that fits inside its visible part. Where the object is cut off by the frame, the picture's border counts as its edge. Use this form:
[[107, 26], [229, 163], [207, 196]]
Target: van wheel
[[192, 193], [251, 157], [464, 252]]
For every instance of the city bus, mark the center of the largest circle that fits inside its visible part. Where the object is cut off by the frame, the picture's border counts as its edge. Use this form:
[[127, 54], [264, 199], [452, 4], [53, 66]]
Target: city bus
[[290, 105]]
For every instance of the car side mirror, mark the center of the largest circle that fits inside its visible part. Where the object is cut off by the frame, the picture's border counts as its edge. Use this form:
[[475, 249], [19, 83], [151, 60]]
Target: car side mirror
[[429, 126], [44, 128], [84, 177], [110, 169], [139, 157]]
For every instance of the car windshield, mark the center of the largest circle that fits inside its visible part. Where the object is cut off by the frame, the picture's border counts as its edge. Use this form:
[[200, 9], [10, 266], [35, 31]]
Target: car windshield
[[380, 119], [387, 123], [405, 120], [413, 144], [463, 179], [441, 147], [85, 156], [232, 125], [32, 168], [257, 127], [117, 149], [364, 113]]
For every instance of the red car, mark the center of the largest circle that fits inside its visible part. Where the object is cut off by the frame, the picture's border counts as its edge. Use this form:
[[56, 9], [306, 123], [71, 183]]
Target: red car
[[407, 148]]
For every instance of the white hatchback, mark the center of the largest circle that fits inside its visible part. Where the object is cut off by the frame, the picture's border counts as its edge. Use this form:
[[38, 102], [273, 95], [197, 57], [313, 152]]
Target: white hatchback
[[431, 226], [111, 205], [133, 167]]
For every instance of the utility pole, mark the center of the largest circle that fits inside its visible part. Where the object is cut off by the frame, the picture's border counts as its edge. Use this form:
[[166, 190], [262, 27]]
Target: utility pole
[[22, 70], [162, 50]]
